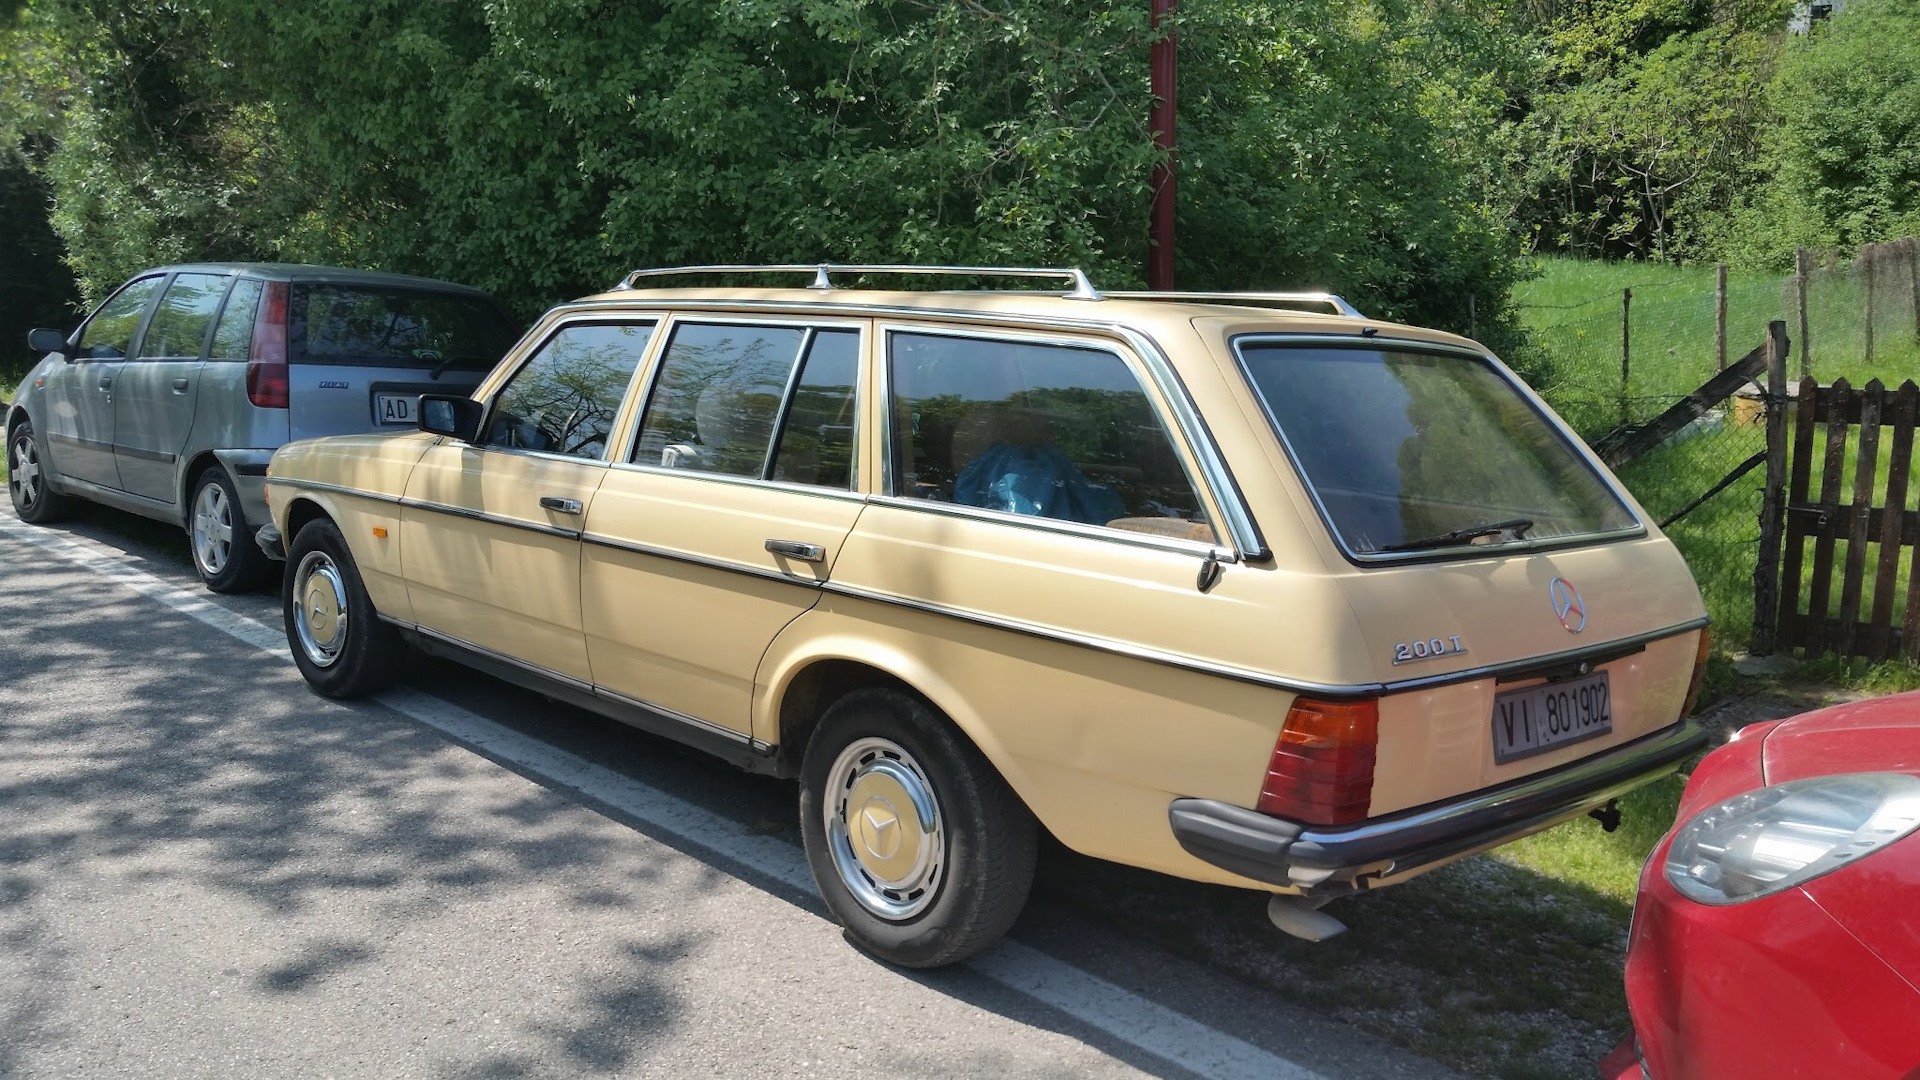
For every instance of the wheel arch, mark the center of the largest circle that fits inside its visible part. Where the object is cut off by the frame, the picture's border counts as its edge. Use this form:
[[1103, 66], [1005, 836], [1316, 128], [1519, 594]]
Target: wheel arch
[[806, 672], [189, 476]]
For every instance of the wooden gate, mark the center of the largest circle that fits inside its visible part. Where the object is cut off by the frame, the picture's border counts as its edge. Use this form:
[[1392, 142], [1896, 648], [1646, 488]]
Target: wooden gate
[[1859, 592]]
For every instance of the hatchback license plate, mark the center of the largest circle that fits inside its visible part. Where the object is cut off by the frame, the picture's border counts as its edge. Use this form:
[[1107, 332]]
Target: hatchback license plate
[[393, 408], [1543, 718]]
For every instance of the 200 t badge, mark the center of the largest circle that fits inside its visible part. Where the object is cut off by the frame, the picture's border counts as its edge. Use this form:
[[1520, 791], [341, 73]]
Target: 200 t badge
[[1406, 652]]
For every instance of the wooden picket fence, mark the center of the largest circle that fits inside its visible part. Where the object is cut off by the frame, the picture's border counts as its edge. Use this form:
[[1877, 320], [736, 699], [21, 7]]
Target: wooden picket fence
[[1858, 525]]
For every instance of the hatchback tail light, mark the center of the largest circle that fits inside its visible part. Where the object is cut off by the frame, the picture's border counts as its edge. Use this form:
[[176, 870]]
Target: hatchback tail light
[[267, 358], [1321, 772]]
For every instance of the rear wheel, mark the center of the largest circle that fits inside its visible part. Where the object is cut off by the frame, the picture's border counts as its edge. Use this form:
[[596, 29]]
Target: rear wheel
[[917, 845], [224, 553], [34, 499], [339, 643]]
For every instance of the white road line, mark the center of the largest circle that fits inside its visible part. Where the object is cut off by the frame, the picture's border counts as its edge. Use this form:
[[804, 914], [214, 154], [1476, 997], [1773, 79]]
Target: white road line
[[1093, 1001]]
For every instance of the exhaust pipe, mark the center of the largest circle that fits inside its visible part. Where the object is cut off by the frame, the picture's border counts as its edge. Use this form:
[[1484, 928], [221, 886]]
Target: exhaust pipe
[[1301, 917]]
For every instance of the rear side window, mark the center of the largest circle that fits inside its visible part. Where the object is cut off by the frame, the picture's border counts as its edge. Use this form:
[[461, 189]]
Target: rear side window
[[1403, 449], [1041, 430], [564, 399], [180, 323], [757, 401], [234, 335], [109, 334], [369, 326]]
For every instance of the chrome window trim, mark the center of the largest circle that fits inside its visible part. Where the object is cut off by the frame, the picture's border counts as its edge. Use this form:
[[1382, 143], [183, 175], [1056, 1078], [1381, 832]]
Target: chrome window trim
[[336, 489], [1462, 551], [491, 519], [1261, 678], [603, 540], [675, 317], [754, 482], [886, 330], [1173, 544], [1242, 530]]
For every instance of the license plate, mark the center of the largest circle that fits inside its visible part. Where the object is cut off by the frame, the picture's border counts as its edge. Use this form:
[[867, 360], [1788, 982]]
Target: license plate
[[393, 408], [1543, 718]]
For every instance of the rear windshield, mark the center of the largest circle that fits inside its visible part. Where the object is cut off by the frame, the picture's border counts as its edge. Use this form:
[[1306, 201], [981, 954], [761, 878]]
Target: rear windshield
[[1411, 451], [367, 326]]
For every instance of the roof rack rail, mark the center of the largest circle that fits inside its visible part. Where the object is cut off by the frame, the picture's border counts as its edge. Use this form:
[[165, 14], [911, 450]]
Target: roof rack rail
[[1081, 288], [1339, 306]]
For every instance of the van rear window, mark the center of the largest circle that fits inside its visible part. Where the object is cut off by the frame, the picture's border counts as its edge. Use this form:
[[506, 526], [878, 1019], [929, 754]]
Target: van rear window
[[367, 326], [1409, 451]]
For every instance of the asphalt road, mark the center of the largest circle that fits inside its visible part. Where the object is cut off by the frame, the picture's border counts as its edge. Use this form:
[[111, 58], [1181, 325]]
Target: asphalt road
[[206, 870]]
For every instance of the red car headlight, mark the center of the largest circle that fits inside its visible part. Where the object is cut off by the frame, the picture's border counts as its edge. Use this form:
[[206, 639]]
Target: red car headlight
[[1774, 838]]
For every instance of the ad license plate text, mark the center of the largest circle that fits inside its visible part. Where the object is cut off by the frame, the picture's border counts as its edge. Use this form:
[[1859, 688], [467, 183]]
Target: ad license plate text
[[394, 408], [1543, 718]]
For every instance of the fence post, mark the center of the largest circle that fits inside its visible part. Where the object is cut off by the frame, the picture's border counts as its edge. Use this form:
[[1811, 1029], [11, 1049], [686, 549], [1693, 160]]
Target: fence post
[[1720, 317], [1800, 261], [1766, 574], [1866, 264], [1626, 349]]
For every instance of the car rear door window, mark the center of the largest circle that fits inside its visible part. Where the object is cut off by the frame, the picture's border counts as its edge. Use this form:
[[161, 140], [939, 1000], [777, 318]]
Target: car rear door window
[[1036, 429], [564, 399], [109, 334], [234, 336], [377, 326], [180, 323], [767, 402]]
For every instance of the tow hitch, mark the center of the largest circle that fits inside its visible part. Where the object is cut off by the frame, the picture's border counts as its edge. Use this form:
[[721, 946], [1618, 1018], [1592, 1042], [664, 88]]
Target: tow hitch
[[1608, 816]]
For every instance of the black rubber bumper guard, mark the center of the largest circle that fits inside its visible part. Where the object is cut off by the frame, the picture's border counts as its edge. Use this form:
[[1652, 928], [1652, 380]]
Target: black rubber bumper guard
[[1319, 859], [267, 538]]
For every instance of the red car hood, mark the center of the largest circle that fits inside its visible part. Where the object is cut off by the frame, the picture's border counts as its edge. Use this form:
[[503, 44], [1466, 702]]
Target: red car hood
[[1872, 898]]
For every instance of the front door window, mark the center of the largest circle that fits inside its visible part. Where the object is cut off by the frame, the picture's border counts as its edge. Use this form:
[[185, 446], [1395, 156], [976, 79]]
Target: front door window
[[563, 401]]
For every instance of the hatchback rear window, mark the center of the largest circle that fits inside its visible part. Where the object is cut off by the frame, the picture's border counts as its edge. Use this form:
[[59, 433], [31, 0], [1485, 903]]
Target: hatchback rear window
[[1410, 451], [365, 326]]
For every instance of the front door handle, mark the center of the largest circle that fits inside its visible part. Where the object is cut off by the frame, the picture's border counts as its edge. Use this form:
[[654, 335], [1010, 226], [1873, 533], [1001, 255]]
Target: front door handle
[[558, 505], [180, 386], [794, 549]]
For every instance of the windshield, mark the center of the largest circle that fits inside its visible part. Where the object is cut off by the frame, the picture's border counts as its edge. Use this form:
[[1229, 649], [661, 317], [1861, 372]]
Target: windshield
[[370, 326], [1410, 451]]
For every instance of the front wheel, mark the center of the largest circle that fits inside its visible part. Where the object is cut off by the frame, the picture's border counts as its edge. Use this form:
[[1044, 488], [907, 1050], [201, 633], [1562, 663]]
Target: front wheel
[[339, 642], [34, 499], [921, 850]]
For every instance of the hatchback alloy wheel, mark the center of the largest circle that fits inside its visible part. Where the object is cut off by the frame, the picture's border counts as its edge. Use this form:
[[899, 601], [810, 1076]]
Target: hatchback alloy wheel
[[24, 476], [212, 529]]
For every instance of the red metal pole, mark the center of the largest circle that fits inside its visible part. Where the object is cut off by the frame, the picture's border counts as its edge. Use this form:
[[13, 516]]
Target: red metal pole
[[1160, 259]]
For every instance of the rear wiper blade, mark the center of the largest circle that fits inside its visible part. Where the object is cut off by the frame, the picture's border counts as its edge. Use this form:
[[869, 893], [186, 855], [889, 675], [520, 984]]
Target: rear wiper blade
[[1517, 526]]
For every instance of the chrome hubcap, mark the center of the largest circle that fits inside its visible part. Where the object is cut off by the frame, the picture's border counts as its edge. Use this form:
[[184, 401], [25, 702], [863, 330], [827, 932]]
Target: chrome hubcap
[[884, 829], [319, 608], [212, 529], [23, 472]]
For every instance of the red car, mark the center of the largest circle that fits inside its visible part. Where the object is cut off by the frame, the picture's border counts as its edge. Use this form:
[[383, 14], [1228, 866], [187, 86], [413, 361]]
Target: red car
[[1777, 932]]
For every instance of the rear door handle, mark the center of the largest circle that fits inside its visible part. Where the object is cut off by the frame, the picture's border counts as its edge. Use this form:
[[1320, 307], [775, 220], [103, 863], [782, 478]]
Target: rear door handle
[[563, 506], [180, 386], [106, 382], [794, 549]]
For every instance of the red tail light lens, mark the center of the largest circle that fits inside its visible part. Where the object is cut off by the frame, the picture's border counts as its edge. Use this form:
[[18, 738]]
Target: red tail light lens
[[267, 358], [1322, 767]]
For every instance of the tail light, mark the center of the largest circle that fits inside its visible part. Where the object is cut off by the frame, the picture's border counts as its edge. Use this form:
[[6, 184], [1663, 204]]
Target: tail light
[[1321, 772], [1699, 672], [267, 358]]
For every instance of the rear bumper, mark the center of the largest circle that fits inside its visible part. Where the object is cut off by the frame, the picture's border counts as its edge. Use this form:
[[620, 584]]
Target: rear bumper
[[1334, 859]]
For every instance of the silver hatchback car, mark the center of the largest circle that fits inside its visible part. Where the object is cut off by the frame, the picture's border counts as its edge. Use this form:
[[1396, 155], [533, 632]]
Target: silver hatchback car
[[171, 396]]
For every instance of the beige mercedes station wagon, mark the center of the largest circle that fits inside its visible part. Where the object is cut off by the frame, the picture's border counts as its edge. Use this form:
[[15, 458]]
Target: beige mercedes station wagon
[[1298, 602]]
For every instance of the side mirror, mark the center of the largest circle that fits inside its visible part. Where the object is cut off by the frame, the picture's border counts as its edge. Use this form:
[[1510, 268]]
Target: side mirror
[[455, 417], [48, 341]]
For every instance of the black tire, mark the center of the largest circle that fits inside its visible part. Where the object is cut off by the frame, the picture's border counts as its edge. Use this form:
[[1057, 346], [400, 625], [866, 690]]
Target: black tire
[[231, 564], [34, 499], [987, 837], [340, 657]]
